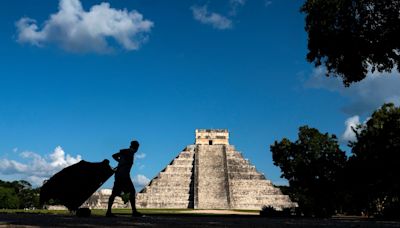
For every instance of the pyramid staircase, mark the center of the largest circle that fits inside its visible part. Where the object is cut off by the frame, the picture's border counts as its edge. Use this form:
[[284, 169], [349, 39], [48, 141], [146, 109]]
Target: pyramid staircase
[[173, 187]]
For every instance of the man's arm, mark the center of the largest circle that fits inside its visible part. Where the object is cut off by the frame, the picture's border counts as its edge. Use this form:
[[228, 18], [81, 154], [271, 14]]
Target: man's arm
[[116, 156]]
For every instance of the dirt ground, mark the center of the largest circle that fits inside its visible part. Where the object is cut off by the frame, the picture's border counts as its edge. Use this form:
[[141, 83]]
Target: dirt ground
[[52, 220]]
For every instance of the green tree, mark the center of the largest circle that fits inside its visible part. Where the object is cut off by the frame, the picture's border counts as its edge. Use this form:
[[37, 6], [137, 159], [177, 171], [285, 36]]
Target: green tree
[[8, 198], [350, 36], [312, 165], [29, 198], [375, 163], [26, 196]]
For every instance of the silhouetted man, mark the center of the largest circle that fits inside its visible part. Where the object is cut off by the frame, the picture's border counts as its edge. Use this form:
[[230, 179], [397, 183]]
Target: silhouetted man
[[123, 182]]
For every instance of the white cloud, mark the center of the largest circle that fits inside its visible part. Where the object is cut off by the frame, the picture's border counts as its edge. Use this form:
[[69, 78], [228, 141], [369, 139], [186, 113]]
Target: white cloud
[[201, 13], [76, 30], [351, 123], [235, 5], [37, 168], [10, 167], [216, 20], [140, 181], [237, 2], [140, 155], [365, 96], [36, 180]]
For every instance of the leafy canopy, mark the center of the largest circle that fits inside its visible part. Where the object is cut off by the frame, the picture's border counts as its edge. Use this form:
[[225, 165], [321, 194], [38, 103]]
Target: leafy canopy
[[18, 194], [375, 162], [312, 165], [351, 37]]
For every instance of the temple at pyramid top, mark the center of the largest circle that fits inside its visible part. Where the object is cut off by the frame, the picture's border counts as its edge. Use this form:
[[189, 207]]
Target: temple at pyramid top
[[212, 137]]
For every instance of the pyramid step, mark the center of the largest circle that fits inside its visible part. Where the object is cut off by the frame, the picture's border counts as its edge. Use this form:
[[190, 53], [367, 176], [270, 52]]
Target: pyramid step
[[238, 161], [260, 198], [244, 175], [171, 177], [245, 182], [243, 166], [242, 169], [165, 205], [260, 187], [244, 191], [186, 154], [234, 156], [251, 184], [177, 185], [178, 169], [170, 184], [161, 199], [165, 195], [247, 176], [175, 175], [178, 189], [183, 162]]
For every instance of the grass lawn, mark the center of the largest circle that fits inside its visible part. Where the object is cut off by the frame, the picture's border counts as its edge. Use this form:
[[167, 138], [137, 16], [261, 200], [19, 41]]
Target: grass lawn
[[143, 211], [35, 211], [102, 212], [99, 212]]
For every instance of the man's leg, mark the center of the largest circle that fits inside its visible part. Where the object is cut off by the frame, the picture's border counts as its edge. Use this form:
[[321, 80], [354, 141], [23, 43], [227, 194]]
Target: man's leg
[[110, 203], [115, 192], [132, 200]]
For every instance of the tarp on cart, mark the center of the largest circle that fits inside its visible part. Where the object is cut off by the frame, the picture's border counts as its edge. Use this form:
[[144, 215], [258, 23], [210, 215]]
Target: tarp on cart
[[73, 185]]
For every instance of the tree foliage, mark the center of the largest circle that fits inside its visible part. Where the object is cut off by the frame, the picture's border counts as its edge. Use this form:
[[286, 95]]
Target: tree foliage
[[349, 37], [312, 165], [8, 198], [375, 164], [18, 194]]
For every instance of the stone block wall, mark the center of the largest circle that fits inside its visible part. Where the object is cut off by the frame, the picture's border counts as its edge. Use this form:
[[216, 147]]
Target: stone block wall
[[249, 188], [212, 137], [173, 187], [99, 200]]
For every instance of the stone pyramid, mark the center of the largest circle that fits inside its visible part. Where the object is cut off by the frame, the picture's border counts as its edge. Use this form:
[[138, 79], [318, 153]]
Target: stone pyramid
[[211, 175]]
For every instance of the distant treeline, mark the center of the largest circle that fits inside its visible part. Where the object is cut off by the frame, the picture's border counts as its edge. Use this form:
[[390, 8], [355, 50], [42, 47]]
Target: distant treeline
[[324, 181], [18, 195]]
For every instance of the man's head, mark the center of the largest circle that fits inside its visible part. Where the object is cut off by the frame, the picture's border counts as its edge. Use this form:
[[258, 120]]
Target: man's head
[[134, 145]]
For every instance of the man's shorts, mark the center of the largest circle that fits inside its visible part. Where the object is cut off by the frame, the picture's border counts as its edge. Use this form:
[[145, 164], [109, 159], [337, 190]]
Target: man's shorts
[[123, 185]]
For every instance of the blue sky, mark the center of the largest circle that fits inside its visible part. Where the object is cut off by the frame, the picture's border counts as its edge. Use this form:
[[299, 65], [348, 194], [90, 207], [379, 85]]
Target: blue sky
[[82, 83]]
